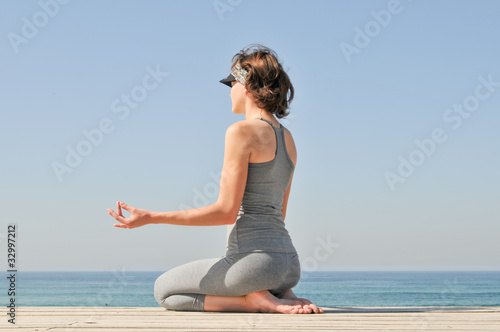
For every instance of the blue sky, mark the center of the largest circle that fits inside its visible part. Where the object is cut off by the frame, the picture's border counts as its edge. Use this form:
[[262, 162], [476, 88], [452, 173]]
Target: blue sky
[[395, 121]]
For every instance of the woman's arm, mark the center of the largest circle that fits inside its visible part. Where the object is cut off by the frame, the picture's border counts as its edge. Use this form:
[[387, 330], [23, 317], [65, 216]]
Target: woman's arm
[[211, 215], [292, 152], [285, 199], [238, 146]]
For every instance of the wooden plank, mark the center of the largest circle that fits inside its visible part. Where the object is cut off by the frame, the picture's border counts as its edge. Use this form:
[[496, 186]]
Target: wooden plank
[[102, 319]]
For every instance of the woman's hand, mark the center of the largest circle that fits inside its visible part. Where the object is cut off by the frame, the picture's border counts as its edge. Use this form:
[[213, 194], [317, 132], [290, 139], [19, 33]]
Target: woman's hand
[[138, 217]]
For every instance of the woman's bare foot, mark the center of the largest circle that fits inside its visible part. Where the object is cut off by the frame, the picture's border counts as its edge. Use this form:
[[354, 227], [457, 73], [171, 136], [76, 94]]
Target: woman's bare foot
[[306, 304], [264, 301], [288, 294]]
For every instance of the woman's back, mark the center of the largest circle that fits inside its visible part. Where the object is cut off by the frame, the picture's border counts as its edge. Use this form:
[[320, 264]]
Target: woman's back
[[259, 226], [264, 148]]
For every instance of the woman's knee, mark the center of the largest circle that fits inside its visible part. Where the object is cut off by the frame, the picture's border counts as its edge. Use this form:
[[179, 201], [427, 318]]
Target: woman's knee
[[161, 288], [184, 302]]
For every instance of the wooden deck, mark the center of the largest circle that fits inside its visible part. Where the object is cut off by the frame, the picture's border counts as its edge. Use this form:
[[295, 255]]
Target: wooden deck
[[104, 319]]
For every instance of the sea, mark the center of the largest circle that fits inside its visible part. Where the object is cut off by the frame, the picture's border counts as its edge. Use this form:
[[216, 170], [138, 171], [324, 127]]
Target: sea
[[324, 288]]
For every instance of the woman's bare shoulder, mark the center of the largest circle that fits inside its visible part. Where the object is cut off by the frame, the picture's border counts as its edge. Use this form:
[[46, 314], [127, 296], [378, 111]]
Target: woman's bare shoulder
[[249, 127], [241, 130], [290, 145], [242, 126]]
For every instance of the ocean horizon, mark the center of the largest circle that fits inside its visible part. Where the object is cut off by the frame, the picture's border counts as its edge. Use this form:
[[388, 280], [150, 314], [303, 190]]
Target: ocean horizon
[[324, 288]]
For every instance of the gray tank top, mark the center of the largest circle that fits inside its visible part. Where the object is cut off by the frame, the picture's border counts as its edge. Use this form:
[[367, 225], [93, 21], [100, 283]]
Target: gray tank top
[[259, 226]]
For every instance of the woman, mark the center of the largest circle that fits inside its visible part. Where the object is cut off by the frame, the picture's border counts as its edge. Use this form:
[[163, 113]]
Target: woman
[[261, 265]]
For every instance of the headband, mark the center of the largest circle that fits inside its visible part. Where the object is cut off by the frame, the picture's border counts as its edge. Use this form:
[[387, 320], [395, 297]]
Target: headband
[[239, 74]]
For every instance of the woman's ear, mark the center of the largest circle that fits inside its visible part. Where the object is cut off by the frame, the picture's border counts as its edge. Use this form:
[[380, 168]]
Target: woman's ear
[[247, 92]]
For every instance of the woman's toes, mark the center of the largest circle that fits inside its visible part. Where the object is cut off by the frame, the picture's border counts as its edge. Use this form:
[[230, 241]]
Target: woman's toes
[[316, 309], [264, 301], [313, 308]]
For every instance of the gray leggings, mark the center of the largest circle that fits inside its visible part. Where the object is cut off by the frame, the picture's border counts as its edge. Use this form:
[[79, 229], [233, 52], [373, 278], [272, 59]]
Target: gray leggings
[[184, 287]]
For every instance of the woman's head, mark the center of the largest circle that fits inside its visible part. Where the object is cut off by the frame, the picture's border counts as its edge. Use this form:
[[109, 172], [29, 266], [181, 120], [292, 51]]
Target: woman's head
[[265, 79]]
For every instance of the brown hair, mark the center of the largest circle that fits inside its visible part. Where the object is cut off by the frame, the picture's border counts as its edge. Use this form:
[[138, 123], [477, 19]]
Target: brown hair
[[268, 83]]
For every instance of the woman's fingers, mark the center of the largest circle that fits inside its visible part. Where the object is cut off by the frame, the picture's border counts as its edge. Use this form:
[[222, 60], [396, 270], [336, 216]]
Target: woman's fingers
[[121, 225], [137, 218], [125, 206], [117, 217]]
